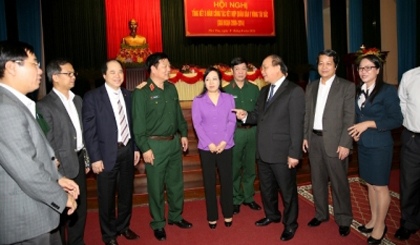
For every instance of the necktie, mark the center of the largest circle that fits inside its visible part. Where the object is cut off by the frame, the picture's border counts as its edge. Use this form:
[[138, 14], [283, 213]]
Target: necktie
[[366, 94], [123, 123], [271, 93]]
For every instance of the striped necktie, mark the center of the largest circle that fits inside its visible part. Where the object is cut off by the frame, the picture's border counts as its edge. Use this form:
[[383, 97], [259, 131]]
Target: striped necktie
[[271, 93], [122, 122]]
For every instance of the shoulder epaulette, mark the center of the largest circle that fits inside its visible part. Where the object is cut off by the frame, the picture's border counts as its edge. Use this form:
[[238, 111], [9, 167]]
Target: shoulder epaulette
[[141, 85]]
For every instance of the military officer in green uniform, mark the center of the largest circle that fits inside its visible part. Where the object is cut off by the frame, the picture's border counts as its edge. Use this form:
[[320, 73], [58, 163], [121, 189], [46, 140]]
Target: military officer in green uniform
[[157, 120], [244, 151]]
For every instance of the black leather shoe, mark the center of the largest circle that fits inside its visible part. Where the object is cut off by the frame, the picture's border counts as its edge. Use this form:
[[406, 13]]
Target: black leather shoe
[[287, 234], [236, 209], [372, 240], [129, 235], [315, 222], [344, 230], [228, 224], [403, 234], [253, 205], [363, 229], [181, 224], [266, 221], [160, 234], [213, 226], [112, 242]]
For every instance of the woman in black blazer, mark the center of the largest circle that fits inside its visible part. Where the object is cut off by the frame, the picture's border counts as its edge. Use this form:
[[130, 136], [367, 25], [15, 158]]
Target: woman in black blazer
[[377, 113]]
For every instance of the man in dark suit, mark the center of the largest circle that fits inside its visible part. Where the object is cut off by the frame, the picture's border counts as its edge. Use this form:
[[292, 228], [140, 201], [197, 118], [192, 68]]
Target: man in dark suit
[[31, 189], [109, 140], [329, 112], [279, 115], [62, 110]]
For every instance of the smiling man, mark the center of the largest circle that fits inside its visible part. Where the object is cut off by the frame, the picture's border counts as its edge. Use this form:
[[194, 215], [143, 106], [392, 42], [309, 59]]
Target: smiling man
[[158, 119], [107, 130], [330, 111], [279, 115]]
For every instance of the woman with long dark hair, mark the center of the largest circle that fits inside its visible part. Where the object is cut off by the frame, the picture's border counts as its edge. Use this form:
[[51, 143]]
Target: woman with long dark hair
[[214, 122], [377, 113]]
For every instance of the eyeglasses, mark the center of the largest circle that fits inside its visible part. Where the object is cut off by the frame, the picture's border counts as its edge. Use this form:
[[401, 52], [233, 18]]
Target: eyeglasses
[[366, 68], [70, 74], [38, 64]]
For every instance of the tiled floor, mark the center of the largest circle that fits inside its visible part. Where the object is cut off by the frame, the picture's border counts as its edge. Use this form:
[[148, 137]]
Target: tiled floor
[[361, 211]]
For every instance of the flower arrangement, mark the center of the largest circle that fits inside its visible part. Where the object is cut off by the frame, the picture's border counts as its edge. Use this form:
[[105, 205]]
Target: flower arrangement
[[362, 52], [133, 56]]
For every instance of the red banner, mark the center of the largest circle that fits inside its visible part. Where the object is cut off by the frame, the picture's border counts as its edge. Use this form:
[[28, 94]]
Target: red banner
[[229, 18]]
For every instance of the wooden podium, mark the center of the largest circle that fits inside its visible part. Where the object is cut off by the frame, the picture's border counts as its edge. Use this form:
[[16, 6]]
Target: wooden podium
[[351, 66]]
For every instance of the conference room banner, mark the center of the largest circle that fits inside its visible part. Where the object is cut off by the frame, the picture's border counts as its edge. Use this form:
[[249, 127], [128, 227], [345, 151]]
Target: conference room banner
[[229, 18]]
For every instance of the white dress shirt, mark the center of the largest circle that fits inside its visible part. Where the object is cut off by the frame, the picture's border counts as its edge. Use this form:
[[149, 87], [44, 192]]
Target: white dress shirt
[[30, 104], [362, 97], [114, 96], [321, 100], [409, 93], [73, 114]]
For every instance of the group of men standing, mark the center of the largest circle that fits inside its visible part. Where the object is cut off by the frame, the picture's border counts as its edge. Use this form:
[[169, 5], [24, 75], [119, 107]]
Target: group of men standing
[[113, 126]]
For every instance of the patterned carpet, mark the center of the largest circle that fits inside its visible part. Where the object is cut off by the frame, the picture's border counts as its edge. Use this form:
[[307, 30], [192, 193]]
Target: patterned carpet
[[361, 212]]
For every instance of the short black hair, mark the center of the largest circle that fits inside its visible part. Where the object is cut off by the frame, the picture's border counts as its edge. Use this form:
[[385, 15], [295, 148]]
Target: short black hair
[[104, 67], [153, 60], [278, 61], [329, 53], [206, 73], [238, 61], [13, 51], [54, 67]]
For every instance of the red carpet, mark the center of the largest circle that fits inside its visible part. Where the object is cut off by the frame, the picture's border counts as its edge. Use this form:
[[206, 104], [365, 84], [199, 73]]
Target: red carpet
[[243, 230]]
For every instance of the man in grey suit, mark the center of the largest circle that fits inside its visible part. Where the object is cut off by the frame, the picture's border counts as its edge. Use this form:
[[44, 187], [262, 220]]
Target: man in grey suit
[[329, 112], [32, 192], [279, 115], [62, 110]]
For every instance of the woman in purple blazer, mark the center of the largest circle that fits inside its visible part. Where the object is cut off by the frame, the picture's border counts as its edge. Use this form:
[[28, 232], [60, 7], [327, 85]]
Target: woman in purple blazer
[[214, 122]]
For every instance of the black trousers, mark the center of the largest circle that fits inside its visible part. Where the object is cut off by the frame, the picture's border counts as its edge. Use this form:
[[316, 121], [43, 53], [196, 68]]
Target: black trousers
[[76, 222], [410, 180], [275, 176], [223, 161], [122, 177]]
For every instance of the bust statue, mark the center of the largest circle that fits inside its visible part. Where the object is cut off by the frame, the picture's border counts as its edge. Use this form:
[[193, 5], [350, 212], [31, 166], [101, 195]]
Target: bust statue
[[133, 39]]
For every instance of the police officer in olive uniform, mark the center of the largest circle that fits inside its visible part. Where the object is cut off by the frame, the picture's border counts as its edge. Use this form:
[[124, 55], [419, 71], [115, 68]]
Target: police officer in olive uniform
[[157, 119], [244, 151]]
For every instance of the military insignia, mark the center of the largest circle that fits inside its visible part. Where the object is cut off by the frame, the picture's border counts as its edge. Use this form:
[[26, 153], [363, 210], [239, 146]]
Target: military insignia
[[233, 84], [141, 85], [151, 87], [154, 97]]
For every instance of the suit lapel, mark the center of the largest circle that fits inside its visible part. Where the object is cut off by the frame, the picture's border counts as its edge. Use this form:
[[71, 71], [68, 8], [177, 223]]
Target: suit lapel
[[127, 104], [332, 93], [278, 93], [61, 108], [106, 101]]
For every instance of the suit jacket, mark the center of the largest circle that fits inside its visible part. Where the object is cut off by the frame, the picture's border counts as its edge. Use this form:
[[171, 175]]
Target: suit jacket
[[31, 199], [62, 133], [386, 112], [100, 130], [280, 123], [339, 114]]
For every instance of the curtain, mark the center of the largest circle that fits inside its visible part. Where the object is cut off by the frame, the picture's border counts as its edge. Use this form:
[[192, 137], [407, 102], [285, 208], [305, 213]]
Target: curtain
[[315, 34], [371, 15], [29, 24], [3, 27], [289, 42], [406, 34], [75, 30], [339, 32], [146, 13], [355, 25]]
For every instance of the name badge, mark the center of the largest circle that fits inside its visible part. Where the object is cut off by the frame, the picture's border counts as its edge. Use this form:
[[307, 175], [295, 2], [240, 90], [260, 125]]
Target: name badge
[[235, 96], [154, 97]]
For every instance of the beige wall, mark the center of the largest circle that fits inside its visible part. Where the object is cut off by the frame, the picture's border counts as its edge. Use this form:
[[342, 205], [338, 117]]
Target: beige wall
[[389, 39]]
